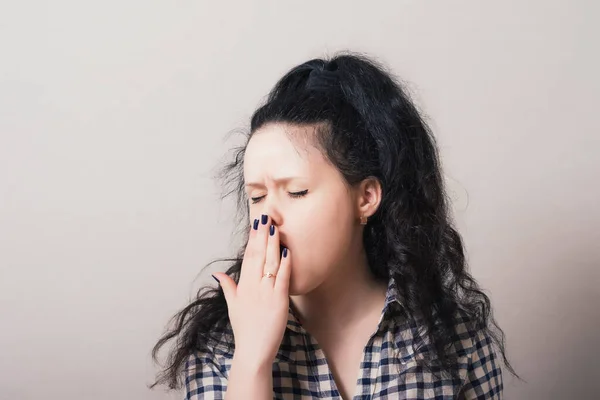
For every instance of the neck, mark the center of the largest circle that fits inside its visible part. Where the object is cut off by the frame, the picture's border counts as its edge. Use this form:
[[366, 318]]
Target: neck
[[346, 298]]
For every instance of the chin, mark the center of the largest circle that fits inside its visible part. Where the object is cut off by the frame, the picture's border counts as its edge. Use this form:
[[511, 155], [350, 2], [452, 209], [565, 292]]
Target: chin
[[300, 287], [294, 289]]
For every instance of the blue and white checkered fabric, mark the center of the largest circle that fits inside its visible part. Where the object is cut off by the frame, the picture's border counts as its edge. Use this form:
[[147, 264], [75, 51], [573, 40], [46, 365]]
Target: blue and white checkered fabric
[[392, 366]]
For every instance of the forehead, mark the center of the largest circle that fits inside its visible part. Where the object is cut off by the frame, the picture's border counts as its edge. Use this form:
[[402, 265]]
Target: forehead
[[279, 149]]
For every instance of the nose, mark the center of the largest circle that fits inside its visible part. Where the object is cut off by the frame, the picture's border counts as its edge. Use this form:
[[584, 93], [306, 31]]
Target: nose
[[271, 209]]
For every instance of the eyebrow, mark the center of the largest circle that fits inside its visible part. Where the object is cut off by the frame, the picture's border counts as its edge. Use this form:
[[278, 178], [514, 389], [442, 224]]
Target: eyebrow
[[278, 181]]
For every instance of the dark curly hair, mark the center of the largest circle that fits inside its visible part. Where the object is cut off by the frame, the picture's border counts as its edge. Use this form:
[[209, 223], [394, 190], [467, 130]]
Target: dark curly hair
[[367, 126]]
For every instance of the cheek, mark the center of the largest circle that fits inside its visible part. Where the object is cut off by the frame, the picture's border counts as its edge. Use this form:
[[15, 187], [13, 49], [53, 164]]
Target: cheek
[[322, 235]]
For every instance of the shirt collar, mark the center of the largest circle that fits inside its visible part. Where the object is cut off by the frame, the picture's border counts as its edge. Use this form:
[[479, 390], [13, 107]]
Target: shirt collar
[[392, 296]]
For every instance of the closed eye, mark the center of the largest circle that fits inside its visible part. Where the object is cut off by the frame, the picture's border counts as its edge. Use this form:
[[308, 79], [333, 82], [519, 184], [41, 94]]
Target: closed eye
[[292, 194], [299, 194]]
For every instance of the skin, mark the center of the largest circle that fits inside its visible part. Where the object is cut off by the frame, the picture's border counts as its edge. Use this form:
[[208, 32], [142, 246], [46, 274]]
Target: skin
[[325, 276]]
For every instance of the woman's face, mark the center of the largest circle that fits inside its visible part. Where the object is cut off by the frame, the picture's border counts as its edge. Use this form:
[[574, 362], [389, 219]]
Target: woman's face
[[307, 198]]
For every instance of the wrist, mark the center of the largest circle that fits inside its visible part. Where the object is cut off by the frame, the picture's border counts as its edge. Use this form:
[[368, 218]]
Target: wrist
[[250, 363]]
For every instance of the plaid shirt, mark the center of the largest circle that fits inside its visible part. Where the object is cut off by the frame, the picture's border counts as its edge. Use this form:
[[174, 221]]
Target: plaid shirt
[[391, 368]]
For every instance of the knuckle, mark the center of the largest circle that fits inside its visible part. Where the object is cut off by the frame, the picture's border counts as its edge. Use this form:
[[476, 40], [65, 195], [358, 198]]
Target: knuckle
[[250, 252], [271, 265], [254, 250]]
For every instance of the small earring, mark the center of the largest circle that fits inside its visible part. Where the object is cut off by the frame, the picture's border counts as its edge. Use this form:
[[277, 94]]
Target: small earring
[[363, 220]]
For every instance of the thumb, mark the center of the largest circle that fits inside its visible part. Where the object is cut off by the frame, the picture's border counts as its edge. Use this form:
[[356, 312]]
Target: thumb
[[227, 285]]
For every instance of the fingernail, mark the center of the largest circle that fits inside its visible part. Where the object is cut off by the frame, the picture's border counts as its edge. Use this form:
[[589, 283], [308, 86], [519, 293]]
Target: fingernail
[[215, 278], [264, 219], [255, 226], [272, 230], [284, 252]]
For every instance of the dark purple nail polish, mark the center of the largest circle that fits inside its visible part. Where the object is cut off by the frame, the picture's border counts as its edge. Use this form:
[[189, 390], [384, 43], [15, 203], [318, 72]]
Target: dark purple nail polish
[[264, 219], [272, 230], [284, 252], [255, 226], [215, 278]]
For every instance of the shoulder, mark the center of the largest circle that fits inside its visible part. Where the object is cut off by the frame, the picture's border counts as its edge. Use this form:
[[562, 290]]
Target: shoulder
[[466, 336], [471, 335], [471, 343], [481, 372], [215, 356]]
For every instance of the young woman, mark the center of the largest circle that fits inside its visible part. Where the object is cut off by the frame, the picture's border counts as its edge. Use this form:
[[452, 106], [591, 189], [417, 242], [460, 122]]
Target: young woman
[[352, 283]]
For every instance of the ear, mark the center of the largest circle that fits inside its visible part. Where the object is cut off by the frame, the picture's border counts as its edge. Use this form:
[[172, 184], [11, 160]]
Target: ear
[[368, 197]]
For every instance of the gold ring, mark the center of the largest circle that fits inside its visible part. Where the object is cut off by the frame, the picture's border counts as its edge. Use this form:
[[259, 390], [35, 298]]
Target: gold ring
[[269, 275]]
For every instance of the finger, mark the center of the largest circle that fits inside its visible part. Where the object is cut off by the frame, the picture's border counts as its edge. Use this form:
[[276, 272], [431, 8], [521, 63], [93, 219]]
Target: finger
[[282, 281], [255, 262], [249, 250], [272, 253], [227, 285]]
